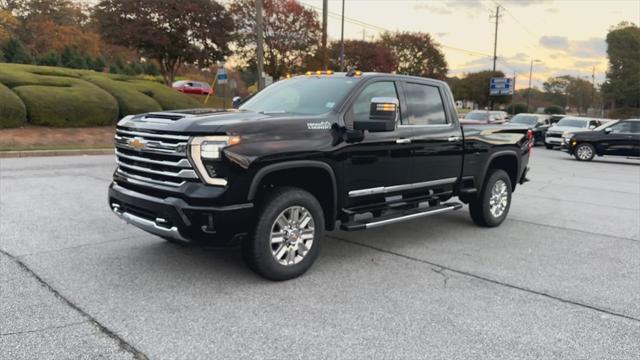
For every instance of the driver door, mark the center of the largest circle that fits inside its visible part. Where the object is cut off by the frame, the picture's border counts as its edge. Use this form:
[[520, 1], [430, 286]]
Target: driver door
[[380, 159], [620, 140]]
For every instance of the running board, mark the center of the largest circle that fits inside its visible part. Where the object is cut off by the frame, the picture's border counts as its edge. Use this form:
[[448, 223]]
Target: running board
[[398, 217]]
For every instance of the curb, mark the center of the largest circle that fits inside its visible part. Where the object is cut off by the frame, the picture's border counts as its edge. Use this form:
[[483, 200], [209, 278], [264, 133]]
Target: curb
[[72, 152]]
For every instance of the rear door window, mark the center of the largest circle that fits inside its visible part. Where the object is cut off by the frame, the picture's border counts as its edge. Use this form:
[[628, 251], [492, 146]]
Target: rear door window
[[424, 105]]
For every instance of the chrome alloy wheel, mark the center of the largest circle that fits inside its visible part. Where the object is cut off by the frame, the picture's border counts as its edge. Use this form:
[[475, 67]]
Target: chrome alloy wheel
[[499, 199], [584, 152], [292, 235]]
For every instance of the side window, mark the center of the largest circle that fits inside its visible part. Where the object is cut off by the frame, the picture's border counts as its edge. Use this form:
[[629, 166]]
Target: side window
[[621, 128], [424, 105], [635, 127], [361, 107]]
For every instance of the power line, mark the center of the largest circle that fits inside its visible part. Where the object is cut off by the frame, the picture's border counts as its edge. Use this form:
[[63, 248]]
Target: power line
[[382, 29]]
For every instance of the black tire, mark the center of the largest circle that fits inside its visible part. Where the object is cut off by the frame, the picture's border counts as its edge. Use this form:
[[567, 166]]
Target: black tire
[[548, 146], [258, 250], [480, 208], [584, 152]]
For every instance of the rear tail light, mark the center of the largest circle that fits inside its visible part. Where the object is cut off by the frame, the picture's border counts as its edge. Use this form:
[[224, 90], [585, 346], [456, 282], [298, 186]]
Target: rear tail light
[[530, 137]]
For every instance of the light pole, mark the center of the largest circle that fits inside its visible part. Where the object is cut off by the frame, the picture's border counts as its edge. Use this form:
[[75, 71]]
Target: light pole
[[342, 39], [529, 89]]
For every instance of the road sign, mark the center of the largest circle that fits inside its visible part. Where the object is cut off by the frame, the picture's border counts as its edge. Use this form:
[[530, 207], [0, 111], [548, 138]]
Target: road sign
[[222, 76], [501, 86]]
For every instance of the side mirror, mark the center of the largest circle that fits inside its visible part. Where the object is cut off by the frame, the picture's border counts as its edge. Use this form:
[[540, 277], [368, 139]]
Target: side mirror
[[592, 127], [235, 102], [608, 130], [383, 113]]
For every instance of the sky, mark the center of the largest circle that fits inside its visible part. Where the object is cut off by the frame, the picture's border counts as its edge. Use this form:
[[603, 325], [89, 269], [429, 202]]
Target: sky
[[565, 37]]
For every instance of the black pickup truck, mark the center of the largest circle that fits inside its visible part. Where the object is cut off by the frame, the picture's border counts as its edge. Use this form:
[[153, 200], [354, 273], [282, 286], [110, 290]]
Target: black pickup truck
[[361, 149]]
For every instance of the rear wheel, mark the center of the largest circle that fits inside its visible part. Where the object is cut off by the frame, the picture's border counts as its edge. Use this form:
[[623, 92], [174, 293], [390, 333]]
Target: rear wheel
[[492, 206], [286, 239], [584, 152]]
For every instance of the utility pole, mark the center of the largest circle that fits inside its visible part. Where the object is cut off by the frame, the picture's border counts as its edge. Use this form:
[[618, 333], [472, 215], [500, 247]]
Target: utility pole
[[495, 46], [529, 88], [259, 45], [513, 97], [342, 39], [593, 87], [495, 39], [325, 15]]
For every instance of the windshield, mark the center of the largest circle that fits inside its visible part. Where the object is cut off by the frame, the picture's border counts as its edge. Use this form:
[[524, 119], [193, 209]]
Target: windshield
[[530, 120], [301, 95], [573, 122], [477, 115]]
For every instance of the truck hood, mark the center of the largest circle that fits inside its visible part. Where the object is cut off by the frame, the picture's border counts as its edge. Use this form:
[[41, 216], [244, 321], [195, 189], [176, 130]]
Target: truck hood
[[200, 121], [561, 129]]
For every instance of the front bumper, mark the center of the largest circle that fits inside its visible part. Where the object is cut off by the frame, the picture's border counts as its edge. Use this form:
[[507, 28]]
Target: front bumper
[[551, 140], [175, 219]]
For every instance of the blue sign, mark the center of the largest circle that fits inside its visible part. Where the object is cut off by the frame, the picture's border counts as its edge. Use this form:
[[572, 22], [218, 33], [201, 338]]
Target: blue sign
[[501, 86], [222, 76]]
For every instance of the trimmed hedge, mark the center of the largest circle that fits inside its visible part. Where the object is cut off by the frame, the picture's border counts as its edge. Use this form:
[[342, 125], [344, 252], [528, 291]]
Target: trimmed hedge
[[13, 113], [75, 105], [168, 98], [56, 96], [130, 100]]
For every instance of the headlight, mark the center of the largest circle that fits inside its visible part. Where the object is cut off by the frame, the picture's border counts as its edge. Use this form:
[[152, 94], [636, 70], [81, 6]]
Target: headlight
[[209, 148]]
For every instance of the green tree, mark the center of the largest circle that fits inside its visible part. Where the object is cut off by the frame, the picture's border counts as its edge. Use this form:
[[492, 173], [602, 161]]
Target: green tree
[[150, 68], [172, 32], [570, 91], [72, 59], [622, 87], [475, 87], [291, 34], [50, 59], [363, 55], [416, 53], [15, 52]]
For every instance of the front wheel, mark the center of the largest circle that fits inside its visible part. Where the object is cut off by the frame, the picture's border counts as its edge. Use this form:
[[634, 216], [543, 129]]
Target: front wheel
[[286, 239], [584, 152], [548, 146], [492, 206]]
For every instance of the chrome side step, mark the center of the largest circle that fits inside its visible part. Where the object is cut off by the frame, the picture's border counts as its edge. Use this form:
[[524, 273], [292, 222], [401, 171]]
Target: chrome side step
[[399, 217]]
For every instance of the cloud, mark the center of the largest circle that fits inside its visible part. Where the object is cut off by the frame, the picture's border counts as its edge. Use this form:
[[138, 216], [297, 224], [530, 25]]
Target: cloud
[[441, 34], [591, 48], [585, 63], [555, 42], [434, 9], [552, 10]]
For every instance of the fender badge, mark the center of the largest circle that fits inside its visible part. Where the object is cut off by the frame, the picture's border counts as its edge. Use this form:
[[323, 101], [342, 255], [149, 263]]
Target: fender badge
[[324, 125]]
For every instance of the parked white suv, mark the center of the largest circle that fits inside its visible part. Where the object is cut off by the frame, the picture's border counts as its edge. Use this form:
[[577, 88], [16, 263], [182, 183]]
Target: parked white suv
[[569, 124]]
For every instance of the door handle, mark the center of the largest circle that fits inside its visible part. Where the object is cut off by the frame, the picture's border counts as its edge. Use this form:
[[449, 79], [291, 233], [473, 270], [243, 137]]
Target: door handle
[[453, 138], [403, 141]]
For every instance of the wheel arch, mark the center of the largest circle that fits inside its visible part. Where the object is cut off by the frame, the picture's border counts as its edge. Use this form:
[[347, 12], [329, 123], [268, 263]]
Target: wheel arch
[[506, 160], [310, 175]]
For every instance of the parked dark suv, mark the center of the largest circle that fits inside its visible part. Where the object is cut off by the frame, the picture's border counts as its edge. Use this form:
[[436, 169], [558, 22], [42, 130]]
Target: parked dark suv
[[620, 138]]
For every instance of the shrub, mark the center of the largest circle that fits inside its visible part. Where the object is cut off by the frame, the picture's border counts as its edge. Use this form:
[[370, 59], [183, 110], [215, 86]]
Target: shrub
[[554, 109], [130, 100], [77, 104], [517, 109], [13, 113], [15, 52], [50, 59]]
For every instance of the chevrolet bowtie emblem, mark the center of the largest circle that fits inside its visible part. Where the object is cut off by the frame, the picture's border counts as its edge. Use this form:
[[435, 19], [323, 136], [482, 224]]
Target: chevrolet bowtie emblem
[[137, 144]]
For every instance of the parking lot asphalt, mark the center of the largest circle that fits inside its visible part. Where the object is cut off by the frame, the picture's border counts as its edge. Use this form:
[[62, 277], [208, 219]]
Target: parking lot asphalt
[[560, 278]]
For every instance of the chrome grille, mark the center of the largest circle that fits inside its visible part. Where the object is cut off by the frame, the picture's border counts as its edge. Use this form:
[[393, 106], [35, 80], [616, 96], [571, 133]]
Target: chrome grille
[[153, 158], [552, 134]]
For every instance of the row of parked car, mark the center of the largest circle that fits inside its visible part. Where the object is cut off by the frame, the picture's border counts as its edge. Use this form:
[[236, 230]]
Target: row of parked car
[[582, 137]]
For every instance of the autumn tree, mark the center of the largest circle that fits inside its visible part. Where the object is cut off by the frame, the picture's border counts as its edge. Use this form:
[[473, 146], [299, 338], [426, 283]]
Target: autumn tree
[[291, 34], [475, 87], [8, 25], [570, 91], [622, 87], [363, 55], [416, 54], [171, 32]]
